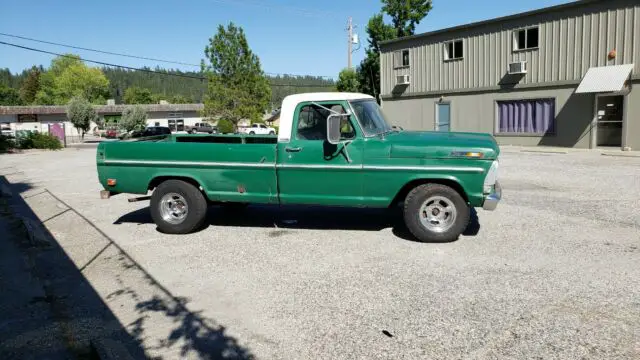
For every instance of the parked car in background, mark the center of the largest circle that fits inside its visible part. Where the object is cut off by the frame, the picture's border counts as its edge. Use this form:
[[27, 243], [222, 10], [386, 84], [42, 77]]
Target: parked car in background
[[259, 129], [202, 127], [149, 131], [111, 133]]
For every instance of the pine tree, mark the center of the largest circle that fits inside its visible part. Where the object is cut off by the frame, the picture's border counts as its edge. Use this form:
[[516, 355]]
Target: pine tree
[[238, 88], [30, 86]]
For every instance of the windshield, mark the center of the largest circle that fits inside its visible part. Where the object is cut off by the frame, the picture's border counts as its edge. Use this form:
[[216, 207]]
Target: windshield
[[370, 117]]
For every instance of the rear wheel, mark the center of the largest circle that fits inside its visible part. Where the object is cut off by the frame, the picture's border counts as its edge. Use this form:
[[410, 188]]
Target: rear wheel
[[251, 133], [178, 207], [435, 213], [272, 132]]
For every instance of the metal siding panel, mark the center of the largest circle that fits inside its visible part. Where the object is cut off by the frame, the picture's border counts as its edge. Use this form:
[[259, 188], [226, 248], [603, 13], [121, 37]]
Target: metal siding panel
[[477, 60], [586, 43], [570, 43], [468, 78], [618, 30], [570, 63], [492, 59], [577, 44], [627, 43], [432, 79], [636, 35], [480, 61], [602, 45], [424, 68], [562, 49]]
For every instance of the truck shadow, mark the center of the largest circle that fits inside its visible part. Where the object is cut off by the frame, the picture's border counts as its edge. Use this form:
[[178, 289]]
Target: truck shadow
[[306, 218]]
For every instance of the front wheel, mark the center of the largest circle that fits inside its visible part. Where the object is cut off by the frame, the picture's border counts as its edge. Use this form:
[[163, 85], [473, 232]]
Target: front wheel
[[178, 207], [435, 213], [272, 132]]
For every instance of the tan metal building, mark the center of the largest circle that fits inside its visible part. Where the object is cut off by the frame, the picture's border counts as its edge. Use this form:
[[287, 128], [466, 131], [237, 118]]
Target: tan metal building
[[558, 76]]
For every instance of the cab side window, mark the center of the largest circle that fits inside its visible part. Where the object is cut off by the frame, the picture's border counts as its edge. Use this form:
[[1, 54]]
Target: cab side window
[[312, 122]]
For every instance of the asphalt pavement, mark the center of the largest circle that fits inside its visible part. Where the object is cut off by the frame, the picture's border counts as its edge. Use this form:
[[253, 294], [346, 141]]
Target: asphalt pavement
[[552, 273]]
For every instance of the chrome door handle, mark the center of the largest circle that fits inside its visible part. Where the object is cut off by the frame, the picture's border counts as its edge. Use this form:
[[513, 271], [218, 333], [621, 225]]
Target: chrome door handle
[[295, 149]]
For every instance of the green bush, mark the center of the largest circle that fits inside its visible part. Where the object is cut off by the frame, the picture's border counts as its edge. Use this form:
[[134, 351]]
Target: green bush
[[46, 141], [36, 140], [225, 126], [6, 143]]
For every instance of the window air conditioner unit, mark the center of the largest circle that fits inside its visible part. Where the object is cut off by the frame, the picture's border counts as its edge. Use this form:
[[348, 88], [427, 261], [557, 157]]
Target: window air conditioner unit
[[519, 67], [402, 80]]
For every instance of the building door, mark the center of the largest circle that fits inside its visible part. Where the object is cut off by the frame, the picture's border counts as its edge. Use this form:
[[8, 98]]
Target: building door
[[609, 120], [443, 117]]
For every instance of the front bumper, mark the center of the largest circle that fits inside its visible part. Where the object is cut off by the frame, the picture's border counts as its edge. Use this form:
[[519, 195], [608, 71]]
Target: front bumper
[[491, 200]]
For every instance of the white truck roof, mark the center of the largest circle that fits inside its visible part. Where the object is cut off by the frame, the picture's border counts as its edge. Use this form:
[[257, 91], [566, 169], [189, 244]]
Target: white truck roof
[[290, 102]]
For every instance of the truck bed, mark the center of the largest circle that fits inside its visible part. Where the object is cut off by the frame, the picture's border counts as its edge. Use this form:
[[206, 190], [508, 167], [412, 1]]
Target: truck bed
[[227, 167]]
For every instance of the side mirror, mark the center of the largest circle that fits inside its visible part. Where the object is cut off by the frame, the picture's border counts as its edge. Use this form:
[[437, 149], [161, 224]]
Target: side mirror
[[334, 122]]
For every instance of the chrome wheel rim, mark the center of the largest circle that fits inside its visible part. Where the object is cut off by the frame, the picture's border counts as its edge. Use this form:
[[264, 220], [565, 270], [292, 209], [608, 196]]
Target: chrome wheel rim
[[173, 208], [438, 214]]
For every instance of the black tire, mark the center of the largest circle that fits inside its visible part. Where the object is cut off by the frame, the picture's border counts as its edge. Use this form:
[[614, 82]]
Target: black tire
[[196, 203], [272, 133], [251, 133], [413, 213]]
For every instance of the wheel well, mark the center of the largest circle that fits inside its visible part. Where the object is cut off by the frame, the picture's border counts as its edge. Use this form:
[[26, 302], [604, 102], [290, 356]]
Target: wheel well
[[402, 194], [158, 180]]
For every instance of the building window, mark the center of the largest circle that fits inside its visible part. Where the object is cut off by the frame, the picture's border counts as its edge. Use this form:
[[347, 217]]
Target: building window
[[453, 50], [27, 117], [401, 58], [526, 117], [524, 39]]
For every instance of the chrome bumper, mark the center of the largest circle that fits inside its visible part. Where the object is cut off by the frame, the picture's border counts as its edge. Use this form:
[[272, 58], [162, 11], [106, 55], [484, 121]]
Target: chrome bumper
[[491, 200]]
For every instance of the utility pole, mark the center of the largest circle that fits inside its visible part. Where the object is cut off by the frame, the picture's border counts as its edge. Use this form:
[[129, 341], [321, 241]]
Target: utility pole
[[350, 41]]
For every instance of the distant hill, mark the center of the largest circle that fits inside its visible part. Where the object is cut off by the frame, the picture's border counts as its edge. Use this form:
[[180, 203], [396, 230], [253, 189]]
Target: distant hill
[[192, 89]]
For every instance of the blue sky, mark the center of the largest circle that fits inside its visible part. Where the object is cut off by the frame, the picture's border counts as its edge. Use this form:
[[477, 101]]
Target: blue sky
[[297, 37]]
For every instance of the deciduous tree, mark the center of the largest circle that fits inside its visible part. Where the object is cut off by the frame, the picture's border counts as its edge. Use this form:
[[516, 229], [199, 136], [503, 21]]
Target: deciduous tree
[[81, 114], [138, 95], [133, 118], [9, 96], [348, 81], [238, 88], [69, 77], [405, 15]]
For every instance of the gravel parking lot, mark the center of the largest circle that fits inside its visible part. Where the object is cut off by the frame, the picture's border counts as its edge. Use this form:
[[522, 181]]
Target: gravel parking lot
[[552, 273]]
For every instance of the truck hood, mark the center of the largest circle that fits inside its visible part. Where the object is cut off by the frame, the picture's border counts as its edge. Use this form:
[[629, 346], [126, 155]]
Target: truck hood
[[434, 144]]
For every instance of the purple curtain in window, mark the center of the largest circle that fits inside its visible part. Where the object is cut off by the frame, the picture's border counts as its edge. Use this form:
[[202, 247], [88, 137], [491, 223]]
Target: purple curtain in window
[[527, 116]]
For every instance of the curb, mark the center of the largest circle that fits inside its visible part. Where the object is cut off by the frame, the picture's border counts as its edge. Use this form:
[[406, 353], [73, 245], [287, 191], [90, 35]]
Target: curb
[[621, 154]]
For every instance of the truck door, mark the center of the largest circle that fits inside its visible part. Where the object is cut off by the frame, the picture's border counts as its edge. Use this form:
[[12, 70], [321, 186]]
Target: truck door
[[313, 171]]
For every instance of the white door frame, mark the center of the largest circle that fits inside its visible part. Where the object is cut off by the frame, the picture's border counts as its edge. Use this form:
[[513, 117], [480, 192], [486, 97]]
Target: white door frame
[[594, 121], [436, 123]]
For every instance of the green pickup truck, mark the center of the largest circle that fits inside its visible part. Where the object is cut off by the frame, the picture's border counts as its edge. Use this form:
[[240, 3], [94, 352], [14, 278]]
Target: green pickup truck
[[333, 149]]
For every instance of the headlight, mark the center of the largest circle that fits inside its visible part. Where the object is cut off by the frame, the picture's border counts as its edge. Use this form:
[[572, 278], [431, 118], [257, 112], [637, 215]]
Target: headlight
[[491, 178]]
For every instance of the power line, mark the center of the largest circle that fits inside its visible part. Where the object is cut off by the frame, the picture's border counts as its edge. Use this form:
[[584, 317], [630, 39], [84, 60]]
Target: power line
[[98, 51], [300, 11], [142, 69], [139, 57]]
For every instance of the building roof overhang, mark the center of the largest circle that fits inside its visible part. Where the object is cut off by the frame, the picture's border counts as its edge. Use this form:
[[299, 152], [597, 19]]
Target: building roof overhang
[[603, 79]]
